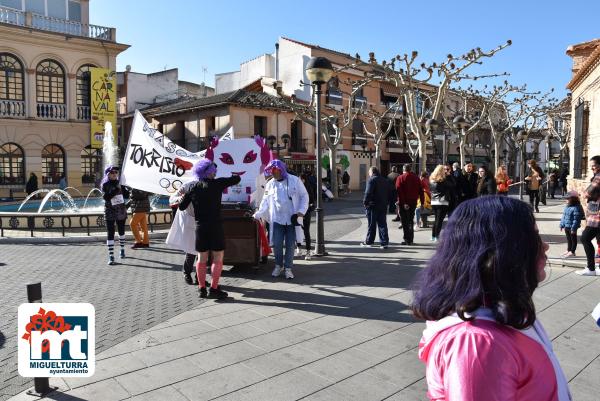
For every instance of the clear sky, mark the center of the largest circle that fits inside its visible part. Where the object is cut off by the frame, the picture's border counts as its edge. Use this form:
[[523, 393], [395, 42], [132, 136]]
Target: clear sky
[[218, 35]]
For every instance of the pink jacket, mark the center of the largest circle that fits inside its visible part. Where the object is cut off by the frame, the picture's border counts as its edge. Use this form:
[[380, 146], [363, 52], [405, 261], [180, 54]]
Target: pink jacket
[[484, 360]]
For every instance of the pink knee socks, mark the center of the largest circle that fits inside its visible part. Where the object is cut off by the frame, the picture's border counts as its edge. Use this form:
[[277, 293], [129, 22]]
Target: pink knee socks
[[216, 269], [201, 273]]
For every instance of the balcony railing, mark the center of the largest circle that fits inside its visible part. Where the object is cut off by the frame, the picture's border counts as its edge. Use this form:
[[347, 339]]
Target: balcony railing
[[51, 111], [83, 113], [394, 108], [359, 103], [38, 21], [299, 145], [394, 144], [12, 108]]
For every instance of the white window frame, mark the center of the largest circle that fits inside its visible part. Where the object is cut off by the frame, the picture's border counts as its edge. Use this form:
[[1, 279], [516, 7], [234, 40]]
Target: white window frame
[[46, 7]]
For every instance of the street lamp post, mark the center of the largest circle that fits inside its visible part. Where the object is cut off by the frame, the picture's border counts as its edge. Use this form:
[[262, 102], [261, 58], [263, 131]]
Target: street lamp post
[[548, 141], [276, 146], [521, 138], [459, 123], [319, 71], [431, 126]]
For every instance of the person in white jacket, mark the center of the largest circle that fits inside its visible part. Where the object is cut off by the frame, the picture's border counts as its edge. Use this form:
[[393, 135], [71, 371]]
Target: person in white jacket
[[285, 201]]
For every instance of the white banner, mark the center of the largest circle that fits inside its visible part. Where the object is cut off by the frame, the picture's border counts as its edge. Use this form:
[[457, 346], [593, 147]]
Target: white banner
[[155, 164], [152, 162]]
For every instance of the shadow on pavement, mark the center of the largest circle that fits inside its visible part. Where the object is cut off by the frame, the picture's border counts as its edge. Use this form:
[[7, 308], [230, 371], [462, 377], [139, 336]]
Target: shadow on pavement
[[58, 396], [167, 266], [329, 278], [337, 304]]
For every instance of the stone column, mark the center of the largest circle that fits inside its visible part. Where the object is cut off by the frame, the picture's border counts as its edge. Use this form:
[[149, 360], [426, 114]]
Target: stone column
[[71, 96], [30, 91]]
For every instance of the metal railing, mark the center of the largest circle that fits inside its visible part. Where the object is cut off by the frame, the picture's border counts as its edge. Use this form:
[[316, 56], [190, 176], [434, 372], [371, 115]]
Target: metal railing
[[299, 145], [38, 21], [10, 16], [12, 108], [52, 111], [44, 223]]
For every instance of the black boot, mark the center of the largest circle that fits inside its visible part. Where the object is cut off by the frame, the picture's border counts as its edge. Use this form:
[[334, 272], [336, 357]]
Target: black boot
[[187, 277], [217, 293]]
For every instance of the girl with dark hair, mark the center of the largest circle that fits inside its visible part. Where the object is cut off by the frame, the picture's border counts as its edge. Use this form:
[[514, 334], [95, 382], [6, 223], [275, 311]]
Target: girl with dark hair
[[534, 182], [115, 211], [483, 341], [205, 196], [441, 194], [571, 221], [486, 184]]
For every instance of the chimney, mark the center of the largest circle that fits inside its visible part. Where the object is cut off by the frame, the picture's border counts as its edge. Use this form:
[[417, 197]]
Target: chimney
[[277, 61]]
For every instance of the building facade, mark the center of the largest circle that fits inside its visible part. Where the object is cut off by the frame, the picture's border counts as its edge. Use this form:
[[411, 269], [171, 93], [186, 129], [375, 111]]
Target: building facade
[[191, 122], [286, 66], [46, 51], [585, 111]]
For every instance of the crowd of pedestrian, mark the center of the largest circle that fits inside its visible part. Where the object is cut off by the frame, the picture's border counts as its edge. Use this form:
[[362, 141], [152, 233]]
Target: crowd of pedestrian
[[483, 336]]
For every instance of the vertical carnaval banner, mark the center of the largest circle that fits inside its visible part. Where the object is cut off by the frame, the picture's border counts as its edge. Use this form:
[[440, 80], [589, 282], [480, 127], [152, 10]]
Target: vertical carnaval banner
[[104, 104]]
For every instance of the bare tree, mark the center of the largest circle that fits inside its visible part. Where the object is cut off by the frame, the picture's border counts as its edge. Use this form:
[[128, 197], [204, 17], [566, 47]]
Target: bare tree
[[535, 107], [474, 109], [414, 80], [334, 122], [504, 114], [382, 122], [558, 126]]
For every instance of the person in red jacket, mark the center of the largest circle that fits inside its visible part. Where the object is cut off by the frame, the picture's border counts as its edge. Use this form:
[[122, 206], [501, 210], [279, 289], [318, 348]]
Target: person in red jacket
[[409, 189]]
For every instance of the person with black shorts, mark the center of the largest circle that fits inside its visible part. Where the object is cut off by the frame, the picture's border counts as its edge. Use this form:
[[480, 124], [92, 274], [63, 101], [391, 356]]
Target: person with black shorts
[[205, 196]]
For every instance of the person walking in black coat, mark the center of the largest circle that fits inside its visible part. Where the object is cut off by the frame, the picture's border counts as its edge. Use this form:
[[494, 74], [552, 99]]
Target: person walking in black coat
[[392, 177], [459, 179], [562, 180], [469, 183], [375, 201], [441, 190], [312, 198], [454, 193], [486, 185]]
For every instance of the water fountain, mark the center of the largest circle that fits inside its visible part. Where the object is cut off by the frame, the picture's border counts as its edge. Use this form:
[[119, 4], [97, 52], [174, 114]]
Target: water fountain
[[68, 205], [59, 211], [91, 192], [110, 151], [75, 189], [31, 195]]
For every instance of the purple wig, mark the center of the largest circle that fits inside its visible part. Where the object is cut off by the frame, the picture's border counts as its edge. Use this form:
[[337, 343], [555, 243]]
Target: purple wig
[[487, 257], [107, 170], [203, 168], [278, 164]]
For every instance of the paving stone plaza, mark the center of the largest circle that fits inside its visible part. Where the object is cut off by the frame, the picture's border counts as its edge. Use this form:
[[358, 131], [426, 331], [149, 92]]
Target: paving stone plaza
[[339, 331]]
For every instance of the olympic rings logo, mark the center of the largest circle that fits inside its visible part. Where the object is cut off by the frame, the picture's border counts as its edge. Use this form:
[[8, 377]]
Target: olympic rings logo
[[171, 186]]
